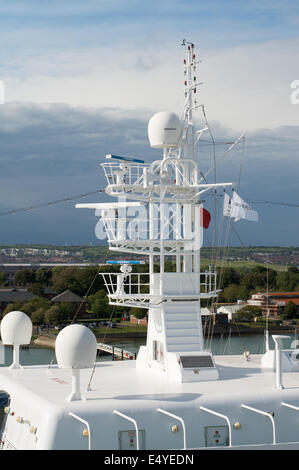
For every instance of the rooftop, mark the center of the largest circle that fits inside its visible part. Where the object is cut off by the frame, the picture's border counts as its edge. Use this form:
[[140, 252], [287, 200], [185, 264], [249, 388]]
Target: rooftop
[[13, 294], [67, 296]]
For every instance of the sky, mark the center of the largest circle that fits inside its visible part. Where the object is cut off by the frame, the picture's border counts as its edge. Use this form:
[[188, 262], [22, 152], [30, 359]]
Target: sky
[[82, 79]]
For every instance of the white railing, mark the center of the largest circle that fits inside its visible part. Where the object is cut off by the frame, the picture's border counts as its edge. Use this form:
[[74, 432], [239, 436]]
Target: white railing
[[210, 411], [119, 352], [215, 413], [178, 171], [81, 420], [167, 413], [122, 415], [288, 405], [124, 173], [264, 413], [120, 285]]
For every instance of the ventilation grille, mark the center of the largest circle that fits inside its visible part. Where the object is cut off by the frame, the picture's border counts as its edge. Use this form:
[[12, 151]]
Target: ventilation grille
[[191, 362]]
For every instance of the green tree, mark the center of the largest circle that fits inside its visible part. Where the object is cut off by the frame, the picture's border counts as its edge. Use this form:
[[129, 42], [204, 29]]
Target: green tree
[[259, 278], [3, 278], [34, 304], [287, 281], [89, 279], [228, 276], [43, 276], [293, 269], [98, 304], [78, 280], [234, 292], [38, 316], [290, 310], [64, 279], [248, 312], [67, 310], [36, 289], [54, 315], [24, 277], [14, 306]]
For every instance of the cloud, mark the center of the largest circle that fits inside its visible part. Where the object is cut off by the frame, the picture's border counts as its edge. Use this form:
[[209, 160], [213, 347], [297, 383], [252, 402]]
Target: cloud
[[245, 87], [53, 151], [83, 78], [127, 55]]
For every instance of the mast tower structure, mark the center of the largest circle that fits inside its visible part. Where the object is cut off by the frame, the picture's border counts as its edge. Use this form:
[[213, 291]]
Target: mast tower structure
[[166, 195]]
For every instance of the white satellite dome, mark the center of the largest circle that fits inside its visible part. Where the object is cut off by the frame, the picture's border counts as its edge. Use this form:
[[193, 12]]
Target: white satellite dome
[[164, 130], [76, 347], [16, 328]]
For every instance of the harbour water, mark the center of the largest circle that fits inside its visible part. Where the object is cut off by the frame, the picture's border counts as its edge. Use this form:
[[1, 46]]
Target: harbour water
[[218, 345]]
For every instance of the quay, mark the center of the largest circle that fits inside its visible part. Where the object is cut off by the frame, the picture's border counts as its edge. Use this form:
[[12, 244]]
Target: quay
[[117, 353]]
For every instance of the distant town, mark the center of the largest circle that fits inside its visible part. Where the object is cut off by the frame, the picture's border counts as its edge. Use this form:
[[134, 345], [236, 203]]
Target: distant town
[[282, 257]]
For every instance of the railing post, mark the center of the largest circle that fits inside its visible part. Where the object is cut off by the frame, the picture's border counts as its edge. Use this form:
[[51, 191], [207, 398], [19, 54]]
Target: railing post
[[265, 413], [132, 421], [160, 410], [203, 408], [86, 424]]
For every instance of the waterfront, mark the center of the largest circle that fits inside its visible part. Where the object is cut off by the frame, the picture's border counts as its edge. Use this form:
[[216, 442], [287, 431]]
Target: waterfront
[[218, 345]]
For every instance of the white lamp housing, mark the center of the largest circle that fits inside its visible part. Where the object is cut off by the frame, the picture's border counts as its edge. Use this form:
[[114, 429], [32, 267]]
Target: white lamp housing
[[76, 348], [16, 329], [164, 130]]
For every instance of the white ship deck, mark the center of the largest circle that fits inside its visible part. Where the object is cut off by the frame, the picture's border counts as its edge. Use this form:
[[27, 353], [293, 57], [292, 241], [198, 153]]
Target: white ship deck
[[114, 380], [38, 396]]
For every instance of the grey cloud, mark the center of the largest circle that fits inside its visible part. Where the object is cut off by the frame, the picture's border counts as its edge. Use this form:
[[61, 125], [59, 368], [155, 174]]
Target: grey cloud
[[54, 151]]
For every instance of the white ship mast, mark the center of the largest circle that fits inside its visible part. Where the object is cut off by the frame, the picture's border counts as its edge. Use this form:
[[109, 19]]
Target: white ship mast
[[168, 225]]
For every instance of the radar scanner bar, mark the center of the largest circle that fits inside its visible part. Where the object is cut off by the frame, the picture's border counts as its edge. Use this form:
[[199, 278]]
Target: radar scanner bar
[[125, 159]]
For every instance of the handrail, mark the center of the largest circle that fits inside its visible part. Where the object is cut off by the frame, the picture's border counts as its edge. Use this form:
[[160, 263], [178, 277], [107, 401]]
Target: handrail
[[288, 405], [86, 424], [208, 410], [132, 421], [160, 410], [265, 413]]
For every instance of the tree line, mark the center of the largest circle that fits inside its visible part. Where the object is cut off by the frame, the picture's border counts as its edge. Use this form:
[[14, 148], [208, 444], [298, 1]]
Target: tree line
[[242, 283], [86, 282]]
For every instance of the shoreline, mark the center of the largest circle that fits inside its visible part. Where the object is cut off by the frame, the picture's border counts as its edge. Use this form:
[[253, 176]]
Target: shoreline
[[48, 341]]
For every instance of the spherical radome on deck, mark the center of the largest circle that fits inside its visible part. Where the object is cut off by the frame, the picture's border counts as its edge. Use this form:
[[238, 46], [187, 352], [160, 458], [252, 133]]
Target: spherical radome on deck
[[76, 347], [164, 130], [16, 328]]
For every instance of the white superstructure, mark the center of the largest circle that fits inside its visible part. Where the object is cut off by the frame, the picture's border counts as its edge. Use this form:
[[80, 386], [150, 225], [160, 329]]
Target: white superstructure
[[176, 395]]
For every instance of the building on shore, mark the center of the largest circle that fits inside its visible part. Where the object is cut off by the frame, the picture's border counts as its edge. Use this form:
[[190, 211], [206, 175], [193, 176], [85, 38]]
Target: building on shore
[[138, 321], [9, 296], [77, 302], [214, 317], [230, 310], [274, 303]]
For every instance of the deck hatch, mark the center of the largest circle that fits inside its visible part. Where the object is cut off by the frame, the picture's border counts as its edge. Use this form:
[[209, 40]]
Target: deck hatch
[[196, 361]]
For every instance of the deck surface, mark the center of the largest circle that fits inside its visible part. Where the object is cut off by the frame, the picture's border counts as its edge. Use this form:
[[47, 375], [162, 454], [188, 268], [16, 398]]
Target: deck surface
[[120, 381]]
